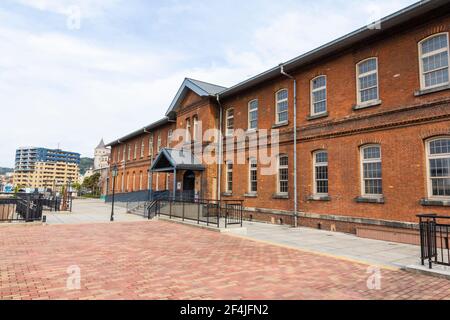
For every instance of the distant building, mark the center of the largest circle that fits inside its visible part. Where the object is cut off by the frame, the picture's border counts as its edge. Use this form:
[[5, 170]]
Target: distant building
[[101, 156], [101, 165], [45, 168]]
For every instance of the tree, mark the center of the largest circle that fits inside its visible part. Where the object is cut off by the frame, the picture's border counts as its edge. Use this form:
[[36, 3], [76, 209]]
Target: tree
[[92, 183]]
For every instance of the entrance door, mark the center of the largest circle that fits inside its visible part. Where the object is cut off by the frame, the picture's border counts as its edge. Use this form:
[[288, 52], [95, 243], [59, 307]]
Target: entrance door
[[189, 184]]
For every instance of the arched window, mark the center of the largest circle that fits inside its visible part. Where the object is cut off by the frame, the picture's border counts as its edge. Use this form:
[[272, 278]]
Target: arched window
[[253, 115], [282, 106], [434, 61], [438, 153], [283, 174], [229, 122], [367, 81], [188, 131], [319, 95], [371, 172], [195, 134], [320, 172], [150, 146]]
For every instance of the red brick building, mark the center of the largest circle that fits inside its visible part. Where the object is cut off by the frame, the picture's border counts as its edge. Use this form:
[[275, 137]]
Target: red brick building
[[364, 132]]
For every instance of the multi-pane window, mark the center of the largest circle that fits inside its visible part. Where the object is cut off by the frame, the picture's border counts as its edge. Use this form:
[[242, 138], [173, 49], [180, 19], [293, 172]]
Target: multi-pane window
[[135, 150], [142, 148], [283, 174], [321, 172], [434, 61], [229, 177], [371, 170], [124, 151], [282, 106], [141, 176], [129, 151], [159, 143], [253, 175], [169, 137], [439, 167], [195, 134], [150, 146], [319, 95], [188, 131], [367, 81], [253, 115], [230, 122]]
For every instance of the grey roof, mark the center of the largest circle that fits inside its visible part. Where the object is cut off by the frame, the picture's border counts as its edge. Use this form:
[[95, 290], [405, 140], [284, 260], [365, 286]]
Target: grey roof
[[170, 159], [101, 145], [418, 9], [136, 133], [203, 89]]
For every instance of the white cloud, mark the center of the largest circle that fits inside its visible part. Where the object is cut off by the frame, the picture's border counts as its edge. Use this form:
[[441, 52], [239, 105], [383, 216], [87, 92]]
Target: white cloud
[[89, 8]]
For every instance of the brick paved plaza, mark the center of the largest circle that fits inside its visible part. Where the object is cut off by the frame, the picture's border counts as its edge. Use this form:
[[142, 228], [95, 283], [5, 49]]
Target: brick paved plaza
[[163, 260]]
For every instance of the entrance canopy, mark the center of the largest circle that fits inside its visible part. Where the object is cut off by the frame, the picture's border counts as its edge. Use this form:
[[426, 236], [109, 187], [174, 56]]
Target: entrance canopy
[[169, 160]]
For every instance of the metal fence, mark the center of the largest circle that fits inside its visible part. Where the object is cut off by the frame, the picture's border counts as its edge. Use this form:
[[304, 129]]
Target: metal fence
[[434, 239], [210, 212], [20, 207]]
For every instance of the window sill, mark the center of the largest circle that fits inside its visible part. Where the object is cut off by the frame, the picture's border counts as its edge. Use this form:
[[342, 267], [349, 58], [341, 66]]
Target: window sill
[[227, 194], [280, 196], [319, 198], [435, 203], [379, 200], [421, 92], [251, 195], [367, 105], [281, 124], [317, 116]]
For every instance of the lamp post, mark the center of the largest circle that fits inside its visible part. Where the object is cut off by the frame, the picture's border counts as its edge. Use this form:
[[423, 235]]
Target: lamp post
[[114, 175]]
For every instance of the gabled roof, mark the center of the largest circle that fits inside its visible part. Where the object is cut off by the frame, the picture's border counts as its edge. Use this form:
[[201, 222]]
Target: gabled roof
[[201, 88], [179, 159]]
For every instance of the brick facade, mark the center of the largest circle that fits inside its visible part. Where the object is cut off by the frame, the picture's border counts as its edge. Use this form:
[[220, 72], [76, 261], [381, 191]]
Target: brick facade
[[400, 124]]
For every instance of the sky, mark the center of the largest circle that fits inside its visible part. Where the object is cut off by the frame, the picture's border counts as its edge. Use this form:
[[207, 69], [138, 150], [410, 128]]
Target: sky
[[75, 71]]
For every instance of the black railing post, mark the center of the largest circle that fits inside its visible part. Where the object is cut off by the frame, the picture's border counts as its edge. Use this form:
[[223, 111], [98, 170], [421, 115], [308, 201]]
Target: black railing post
[[27, 212], [183, 210], [170, 209], [198, 213]]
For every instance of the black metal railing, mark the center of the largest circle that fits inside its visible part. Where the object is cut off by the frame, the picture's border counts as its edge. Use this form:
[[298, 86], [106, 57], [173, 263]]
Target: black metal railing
[[20, 207], [434, 239], [209, 212]]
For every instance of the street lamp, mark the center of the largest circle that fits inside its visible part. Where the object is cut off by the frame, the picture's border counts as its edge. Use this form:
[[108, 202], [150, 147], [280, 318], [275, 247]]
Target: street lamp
[[114, 175]]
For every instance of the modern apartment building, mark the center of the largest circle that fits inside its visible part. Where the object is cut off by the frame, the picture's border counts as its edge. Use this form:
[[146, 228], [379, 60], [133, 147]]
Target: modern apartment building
[[363, 125], [45, 168]]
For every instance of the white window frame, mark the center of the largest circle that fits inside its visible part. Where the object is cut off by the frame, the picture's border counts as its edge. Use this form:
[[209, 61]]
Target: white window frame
[[140, 180], [251, 109], [421, 56], [159, 143], [187, 134], [277, 108], [313, 113], [227, 180], [429, 157], [195, 132], [358, 86], [251, 169], [129, 152], [229, 130], [169, 137], [279, 168], [142, 148], [151, 145], [124, 150], [315, 165], [362, 162]]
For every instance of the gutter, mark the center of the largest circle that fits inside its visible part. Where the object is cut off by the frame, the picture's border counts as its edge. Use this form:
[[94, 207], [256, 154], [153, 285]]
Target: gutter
[[219, 155], [295, 144]]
